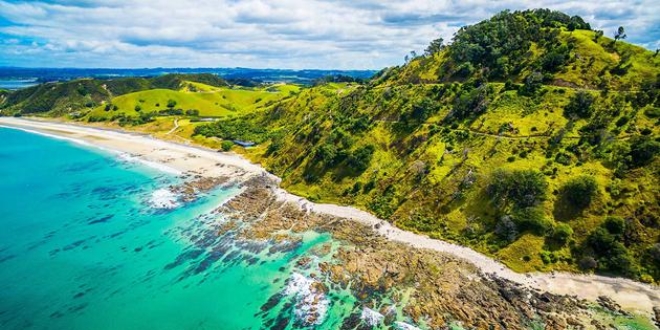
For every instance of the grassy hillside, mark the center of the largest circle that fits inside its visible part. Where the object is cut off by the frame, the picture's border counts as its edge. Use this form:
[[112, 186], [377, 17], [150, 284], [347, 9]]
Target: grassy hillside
[[192, 99], [82, 95], [546, 159], [532, 45]]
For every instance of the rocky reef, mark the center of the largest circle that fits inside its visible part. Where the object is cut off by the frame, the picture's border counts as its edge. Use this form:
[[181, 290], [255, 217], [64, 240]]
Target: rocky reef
[[435, 290]]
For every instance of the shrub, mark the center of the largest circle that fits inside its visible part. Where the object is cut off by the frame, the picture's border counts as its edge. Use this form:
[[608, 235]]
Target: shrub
[[138, 108], [579, 105], [580, 191], [532, 219], [226, 145], [506, 229], [654, 252], [361, 158], [601, 240], [615, 226], [523, 188], [588, 263], [642, 150], [622, 121], [562, 233], [171, 103]]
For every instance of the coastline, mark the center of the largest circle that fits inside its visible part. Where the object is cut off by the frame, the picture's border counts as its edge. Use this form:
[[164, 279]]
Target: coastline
[[205, 163]]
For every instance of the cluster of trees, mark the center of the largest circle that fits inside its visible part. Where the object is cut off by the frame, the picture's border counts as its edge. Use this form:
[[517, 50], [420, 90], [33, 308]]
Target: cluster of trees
[[501, 44], [580, 105], [179, 112], [234, 129], [517, 195], [605, 251]]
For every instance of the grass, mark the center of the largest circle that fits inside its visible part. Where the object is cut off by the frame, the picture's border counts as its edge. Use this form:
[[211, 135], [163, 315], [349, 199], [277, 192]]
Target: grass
[[209, 100]]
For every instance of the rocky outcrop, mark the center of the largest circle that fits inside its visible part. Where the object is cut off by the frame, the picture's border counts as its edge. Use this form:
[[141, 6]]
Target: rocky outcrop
[[439, 289]]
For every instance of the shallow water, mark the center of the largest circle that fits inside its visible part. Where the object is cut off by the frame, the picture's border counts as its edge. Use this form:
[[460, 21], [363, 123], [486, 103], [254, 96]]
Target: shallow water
[[93, 241]]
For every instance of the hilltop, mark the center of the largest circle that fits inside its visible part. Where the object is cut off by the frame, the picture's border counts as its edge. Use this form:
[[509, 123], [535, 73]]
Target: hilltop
[[530, 137]]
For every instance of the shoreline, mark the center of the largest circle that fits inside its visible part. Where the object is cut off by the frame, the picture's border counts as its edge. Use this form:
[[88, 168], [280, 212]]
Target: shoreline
[[210, 164]]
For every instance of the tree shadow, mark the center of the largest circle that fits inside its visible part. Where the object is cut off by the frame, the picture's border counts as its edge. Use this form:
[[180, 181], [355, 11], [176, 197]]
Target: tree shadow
[[564, 210]]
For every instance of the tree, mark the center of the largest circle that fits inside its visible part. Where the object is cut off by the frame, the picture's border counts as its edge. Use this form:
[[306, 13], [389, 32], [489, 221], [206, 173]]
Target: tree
[[619, 34], [533, 82], [138, 108], [615, 226], [562, 233], [522, 188], [643, 150], [434, 47], [226, 145], [171, 104], [506, 229], [532, 219], [580, 191], [579, 105], [599, 33], [360, 159]]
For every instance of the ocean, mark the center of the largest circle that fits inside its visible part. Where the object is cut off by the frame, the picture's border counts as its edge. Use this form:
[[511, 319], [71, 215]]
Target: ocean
[[17, 84], [91, 240]]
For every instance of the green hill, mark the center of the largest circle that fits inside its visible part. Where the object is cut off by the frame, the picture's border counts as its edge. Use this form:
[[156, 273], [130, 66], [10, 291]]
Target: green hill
[[527, 138], [80, 95], [203, 100]]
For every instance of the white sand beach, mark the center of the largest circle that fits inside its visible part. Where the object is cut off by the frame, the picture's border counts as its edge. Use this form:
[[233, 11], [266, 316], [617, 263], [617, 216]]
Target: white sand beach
[[208, 163]]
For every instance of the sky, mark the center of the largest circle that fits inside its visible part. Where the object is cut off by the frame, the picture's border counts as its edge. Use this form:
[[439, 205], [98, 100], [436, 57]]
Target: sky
[[293, 34]]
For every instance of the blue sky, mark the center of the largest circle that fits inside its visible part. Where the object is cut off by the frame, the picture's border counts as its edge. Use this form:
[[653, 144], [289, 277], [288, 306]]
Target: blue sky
[[297, 34]]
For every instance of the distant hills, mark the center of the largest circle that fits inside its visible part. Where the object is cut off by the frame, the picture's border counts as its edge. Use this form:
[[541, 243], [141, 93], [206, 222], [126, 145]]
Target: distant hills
[[306, 77]]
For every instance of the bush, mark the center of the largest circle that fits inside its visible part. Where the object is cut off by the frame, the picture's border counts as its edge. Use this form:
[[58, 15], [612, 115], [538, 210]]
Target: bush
[[171, 103], [562, 233], [601, 241], [361, 158], [580, 191], [522, 188], [588, 263], [615, 226], [506, 229], [580, 105], [642, 150], [226, 145], [533, 219]]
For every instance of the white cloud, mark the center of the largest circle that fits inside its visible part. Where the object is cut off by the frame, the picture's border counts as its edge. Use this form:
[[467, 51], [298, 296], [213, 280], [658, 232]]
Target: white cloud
[[266, 33]]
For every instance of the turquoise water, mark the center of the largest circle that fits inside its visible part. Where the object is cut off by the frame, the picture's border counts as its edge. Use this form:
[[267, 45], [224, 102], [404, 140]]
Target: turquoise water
[[85, 245]]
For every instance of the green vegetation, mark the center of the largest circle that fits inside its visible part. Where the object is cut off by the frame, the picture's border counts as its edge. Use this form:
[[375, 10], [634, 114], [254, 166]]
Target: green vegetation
[[226, 145], [530, 137]]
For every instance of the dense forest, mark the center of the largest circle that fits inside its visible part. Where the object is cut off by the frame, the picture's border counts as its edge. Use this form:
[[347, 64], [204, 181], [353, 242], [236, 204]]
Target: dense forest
[[530, 137]]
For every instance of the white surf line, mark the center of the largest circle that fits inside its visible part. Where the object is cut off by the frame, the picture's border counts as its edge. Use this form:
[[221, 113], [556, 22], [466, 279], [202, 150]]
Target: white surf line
[[627, 293]]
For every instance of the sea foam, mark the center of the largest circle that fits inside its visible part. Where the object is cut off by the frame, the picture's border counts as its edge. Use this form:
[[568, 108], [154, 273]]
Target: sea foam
[[157, 166], [164, 199], [311, 303], [371, 317], [405, 326]]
